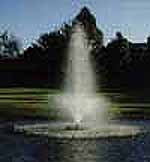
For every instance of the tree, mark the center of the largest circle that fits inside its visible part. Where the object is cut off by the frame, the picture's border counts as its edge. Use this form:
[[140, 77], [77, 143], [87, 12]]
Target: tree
[[148, 42], [121, 42], [88, 20], [118, 52], [9, 45]]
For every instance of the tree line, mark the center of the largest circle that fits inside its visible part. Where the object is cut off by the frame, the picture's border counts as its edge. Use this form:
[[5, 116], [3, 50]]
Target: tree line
[[119, 63]]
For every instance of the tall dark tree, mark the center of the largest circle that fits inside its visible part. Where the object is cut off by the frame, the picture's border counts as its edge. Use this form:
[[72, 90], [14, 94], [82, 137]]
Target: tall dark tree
[[148, 42], [118, 51], [88, 20]]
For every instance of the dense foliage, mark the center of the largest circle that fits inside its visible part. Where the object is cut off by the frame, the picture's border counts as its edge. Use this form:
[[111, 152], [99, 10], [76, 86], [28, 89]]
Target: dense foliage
[[120, 63]]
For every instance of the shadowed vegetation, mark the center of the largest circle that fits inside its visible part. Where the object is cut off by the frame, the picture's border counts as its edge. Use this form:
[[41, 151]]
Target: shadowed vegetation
[[120, 64]]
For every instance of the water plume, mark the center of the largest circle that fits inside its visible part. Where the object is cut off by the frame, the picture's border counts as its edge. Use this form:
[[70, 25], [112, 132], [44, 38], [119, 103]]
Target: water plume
[[79, 90]]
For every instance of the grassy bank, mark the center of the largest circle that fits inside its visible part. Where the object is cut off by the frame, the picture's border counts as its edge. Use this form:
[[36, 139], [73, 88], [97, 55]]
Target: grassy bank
[[35, 103]]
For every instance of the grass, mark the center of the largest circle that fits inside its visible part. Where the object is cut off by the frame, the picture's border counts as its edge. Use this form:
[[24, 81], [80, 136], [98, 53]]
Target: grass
[[33, 102], [23, 102]]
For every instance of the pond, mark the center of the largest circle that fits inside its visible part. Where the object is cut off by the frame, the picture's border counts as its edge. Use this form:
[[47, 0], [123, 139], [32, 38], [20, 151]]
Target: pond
[[22, 148], [19, 148]]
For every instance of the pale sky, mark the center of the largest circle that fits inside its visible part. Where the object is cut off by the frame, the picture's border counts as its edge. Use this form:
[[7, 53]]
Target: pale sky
[[27, 19]]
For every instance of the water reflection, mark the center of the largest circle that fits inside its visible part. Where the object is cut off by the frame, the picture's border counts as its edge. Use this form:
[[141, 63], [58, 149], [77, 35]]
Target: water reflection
[[73, 151], [110, 150]]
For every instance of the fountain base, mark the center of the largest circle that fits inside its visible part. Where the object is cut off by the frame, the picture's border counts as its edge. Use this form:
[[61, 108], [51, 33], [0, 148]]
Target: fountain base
[[75, 127], [79, 131]]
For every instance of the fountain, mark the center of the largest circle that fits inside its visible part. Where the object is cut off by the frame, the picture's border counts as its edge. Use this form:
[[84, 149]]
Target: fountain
[[80, 98], [86, 108]]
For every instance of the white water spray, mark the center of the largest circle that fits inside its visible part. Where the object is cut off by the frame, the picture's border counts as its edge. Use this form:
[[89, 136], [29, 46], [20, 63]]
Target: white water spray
[[80, 98]]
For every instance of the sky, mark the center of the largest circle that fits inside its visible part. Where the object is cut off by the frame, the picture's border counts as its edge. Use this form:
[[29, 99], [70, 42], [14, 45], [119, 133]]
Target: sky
[[28, 19]]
